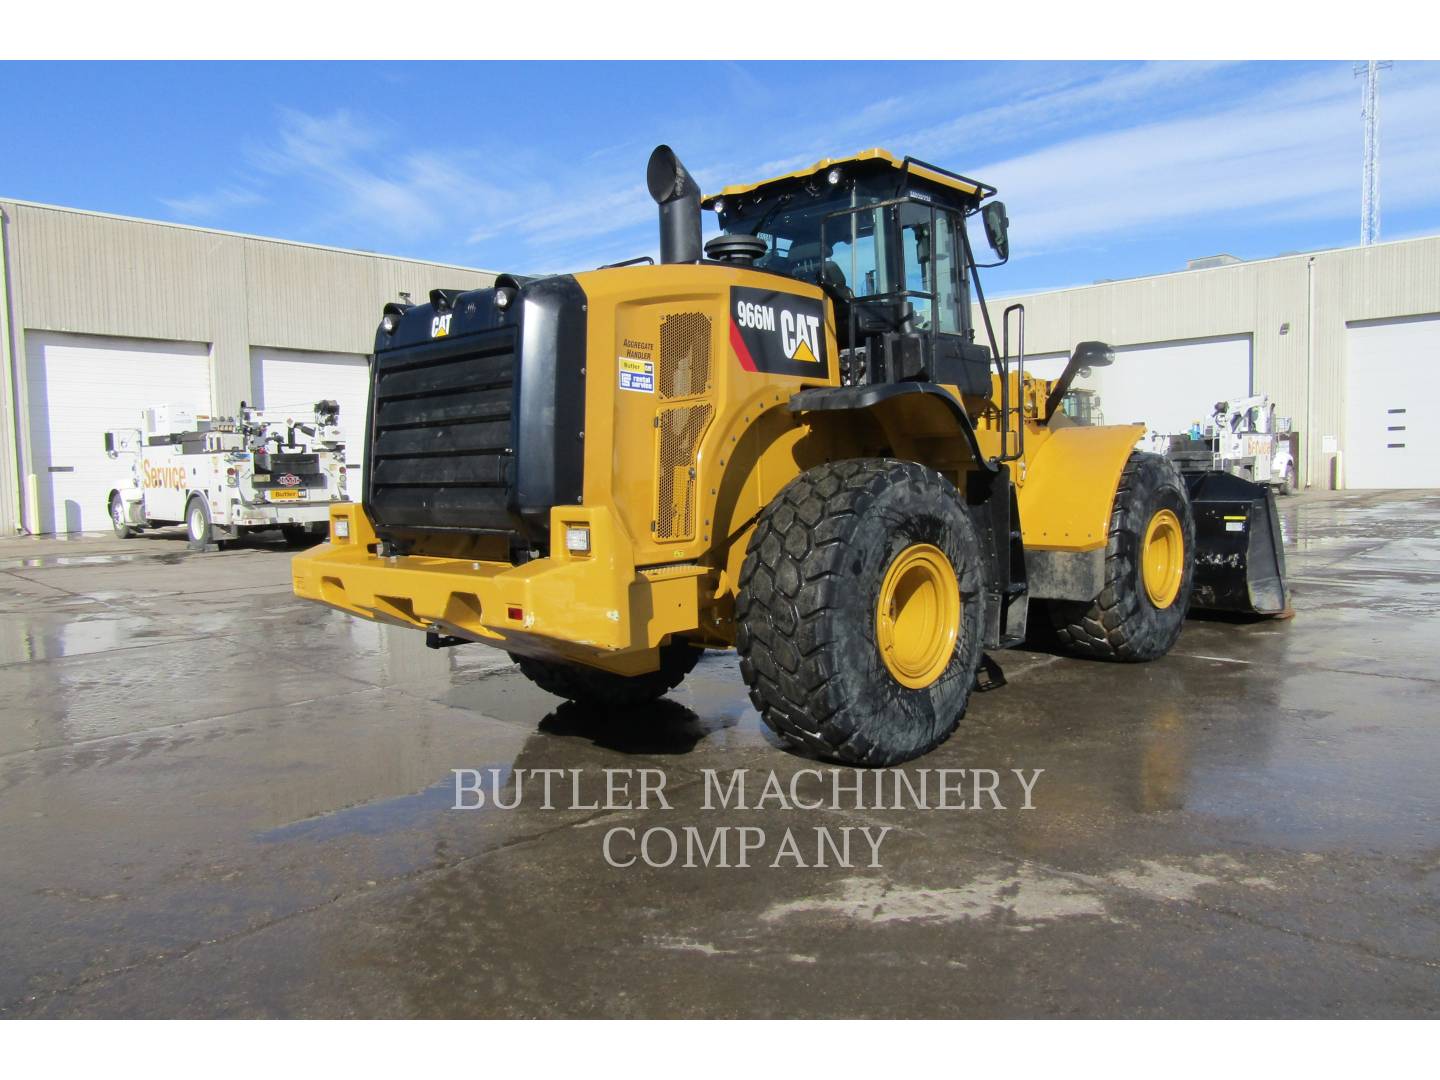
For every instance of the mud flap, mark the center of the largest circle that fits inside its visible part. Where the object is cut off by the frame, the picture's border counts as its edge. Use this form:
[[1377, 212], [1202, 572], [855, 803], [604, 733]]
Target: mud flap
[[1239, 552]]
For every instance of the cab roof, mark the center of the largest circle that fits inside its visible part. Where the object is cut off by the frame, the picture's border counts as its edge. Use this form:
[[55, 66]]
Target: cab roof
[[919, 169]]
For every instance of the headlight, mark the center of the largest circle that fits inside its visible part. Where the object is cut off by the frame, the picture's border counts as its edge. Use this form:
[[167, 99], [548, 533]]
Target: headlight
[[577, 539], [340, 528]]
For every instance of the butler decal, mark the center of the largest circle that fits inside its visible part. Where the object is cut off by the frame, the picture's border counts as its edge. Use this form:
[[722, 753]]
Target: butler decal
[[778, 333]]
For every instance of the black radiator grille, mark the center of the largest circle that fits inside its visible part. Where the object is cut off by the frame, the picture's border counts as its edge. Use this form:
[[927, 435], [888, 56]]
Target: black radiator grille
[[441, 434]]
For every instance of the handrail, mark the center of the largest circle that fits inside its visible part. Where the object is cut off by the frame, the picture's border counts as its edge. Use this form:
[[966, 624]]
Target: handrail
[[982, 191], [1019, 384], [628, 262]]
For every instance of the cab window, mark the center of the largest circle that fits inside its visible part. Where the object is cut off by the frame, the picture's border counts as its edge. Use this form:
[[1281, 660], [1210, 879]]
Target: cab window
[[857, 242], [931, 263]]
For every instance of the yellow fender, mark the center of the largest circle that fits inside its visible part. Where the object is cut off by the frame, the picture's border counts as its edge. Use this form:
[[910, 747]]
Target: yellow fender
[[1067, 487]]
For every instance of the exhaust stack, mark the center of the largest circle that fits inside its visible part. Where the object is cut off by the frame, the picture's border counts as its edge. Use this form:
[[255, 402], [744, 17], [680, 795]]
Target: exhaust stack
[[678, 196]]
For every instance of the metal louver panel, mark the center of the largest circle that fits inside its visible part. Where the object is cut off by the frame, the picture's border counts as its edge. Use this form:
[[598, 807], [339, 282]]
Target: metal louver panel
[[684, 355], [680, 429]]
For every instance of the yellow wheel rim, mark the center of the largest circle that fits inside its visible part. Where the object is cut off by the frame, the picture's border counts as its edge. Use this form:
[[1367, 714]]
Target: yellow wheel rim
[[1162, 558], [917, 618]]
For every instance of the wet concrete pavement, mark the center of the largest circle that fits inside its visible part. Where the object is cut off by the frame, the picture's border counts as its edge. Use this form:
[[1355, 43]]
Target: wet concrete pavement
[[216, 800]]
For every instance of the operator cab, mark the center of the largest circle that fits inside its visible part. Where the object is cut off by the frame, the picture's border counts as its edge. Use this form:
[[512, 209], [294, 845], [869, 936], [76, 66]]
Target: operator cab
[[885, 239]]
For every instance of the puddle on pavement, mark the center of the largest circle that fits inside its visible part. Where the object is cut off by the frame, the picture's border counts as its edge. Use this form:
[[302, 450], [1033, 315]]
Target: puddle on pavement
[[373, 819], [30, 639], [47, 562]]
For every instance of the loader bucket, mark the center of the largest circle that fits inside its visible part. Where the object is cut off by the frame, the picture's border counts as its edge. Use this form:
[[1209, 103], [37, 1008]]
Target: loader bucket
[[1239, 555]]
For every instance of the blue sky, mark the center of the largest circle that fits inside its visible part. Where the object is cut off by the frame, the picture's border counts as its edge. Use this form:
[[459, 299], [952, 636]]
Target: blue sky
[[1108, 169]]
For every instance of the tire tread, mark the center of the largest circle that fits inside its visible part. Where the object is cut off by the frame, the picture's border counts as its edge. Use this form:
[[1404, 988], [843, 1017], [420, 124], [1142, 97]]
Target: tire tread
[[787, 599], [592, 686], [1114, 625]]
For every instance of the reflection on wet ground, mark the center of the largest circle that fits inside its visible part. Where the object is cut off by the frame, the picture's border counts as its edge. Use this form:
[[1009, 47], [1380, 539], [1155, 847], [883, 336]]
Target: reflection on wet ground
[[218, 801]]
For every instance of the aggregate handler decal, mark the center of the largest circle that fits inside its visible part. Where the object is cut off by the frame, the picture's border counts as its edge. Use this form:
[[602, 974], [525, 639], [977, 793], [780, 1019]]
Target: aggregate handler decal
[[778, 332]]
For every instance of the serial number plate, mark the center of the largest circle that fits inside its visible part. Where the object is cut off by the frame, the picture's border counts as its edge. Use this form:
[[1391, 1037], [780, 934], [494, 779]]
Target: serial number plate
[[286, 494]]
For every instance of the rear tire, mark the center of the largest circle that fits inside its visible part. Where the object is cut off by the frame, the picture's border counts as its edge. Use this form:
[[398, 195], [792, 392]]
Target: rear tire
[[1287, 481], [836, 657], [1141, 610], [295, 535], [591, 686], [123, 531]]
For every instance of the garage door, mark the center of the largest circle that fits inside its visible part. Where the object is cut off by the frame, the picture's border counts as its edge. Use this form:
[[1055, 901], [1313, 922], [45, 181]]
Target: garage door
[[1046, 365], [291, 379], [1392, 380], [77, 388], [1168, 386]]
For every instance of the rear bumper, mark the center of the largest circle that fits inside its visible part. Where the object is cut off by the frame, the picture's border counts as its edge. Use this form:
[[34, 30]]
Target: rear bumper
[[283, 513], [595, 608]]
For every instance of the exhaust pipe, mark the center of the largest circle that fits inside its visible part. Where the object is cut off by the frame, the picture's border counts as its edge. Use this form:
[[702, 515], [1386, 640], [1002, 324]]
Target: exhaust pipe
[[678, 197]]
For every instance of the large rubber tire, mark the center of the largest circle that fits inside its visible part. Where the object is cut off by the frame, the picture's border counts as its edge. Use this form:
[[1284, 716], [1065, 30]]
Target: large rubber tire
[[1123, 623], [807, 621], [117, 519], [197, 523], [591, 686], [1287, 480]]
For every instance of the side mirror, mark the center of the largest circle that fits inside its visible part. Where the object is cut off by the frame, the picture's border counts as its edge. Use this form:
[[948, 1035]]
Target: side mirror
[[1093, 354], [997, 228]]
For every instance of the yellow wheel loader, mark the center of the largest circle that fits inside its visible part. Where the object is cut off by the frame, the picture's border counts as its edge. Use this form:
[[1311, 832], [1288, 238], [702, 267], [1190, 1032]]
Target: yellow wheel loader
[[787, 441]]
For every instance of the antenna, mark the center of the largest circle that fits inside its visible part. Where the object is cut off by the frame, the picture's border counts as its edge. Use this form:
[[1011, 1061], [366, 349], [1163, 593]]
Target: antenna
[[1370, 174]]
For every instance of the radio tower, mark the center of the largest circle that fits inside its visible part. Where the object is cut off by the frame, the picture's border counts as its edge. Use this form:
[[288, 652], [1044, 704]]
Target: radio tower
[[1370, 181]]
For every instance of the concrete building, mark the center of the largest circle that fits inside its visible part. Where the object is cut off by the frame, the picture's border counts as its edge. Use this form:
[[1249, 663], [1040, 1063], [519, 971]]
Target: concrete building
[[1345, 342], [103, 316]]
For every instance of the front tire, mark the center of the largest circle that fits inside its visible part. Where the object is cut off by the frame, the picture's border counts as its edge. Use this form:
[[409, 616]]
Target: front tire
[[861, 611], [591, 686], [1149, 565], [123, 531]]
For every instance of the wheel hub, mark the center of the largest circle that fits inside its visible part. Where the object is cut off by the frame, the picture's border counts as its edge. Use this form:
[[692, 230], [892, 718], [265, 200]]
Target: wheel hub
[[917, 617], [1162, 558]]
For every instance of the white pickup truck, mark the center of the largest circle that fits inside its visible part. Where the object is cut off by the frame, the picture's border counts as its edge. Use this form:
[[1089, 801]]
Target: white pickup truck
[[226, 476]]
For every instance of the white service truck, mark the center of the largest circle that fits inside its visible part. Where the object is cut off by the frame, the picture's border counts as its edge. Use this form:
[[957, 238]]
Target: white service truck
[[1244, 437], [226, 476]]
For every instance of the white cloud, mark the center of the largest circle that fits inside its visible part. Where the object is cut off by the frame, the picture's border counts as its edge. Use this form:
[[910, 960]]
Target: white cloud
[[214, 204], [349, 164], [1165, 145], [1288, 153], [1070, 97]]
